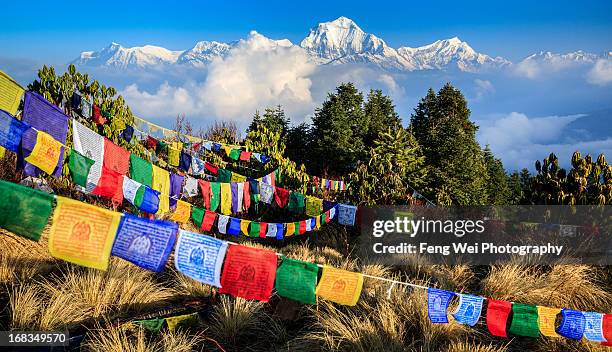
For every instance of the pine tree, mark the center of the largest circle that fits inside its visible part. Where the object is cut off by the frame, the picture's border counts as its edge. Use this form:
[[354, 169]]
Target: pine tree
[[498, 190], [441, 125], [381, 115], [338, 129], [516, 189], [298, 143], [255, 122]]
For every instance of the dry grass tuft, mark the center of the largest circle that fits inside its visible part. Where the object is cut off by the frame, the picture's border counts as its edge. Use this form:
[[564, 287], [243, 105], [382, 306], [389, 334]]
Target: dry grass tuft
[[128, 339]]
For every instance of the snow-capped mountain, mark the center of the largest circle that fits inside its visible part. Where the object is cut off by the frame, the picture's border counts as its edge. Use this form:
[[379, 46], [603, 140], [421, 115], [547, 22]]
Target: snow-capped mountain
[[337, 42]]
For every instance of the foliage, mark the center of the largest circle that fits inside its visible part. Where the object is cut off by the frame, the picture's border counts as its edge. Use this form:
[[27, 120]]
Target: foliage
[[298, 143], [498, 190], [395, 165], [273, 118], [441, 125], [381, 115]]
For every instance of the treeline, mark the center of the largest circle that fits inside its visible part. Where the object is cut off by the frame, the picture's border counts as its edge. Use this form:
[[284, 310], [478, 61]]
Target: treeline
[[361, 138]]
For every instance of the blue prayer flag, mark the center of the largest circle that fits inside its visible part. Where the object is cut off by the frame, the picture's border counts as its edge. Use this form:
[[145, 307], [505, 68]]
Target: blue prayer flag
[[11, 131], [280, 228], [469, 309], [150, 200], [144, 242], [200, 257], [593, 327], [572, 325], [437, 304], [234, 227], [346, 214]]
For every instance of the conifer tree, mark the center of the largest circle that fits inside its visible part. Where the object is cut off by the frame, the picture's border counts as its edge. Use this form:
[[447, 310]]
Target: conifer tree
[[381, 115], [498, 190]]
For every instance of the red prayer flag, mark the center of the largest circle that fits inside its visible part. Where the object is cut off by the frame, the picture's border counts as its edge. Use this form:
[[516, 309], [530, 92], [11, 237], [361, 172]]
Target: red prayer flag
[[205, 188], [607, 329], [151, 142], [211, 168], [246, 199], [196, 146], [97, 116], [263, 229], [327, 216], [302, 227], [208, 221], [497, 316], [245, 156], [248, 273], [116, 158], [110, 185], [281, 196], [273, 179]]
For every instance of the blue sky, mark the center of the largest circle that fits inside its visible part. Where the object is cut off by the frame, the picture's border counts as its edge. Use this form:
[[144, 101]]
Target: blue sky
[[57, 31]]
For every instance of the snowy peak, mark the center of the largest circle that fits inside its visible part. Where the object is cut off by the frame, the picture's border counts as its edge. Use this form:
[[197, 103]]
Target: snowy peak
[[576, 56], [116, 55], [203, 53]]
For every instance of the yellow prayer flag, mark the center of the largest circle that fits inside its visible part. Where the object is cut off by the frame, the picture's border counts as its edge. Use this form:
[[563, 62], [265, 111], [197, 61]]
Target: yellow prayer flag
[[177, 145], [238, 178], [182, 212], [161, 183], [547, 317], [290, 229], [227, 149], [173, 322], [340, 286], [174, 156], [244, 227], [314, 206], [10, 94], [226, 198], [46, 152], [82, 233], [2, 152], [317, 222]]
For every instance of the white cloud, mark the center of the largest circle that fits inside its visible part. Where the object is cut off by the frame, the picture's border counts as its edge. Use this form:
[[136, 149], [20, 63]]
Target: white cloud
[[601, 73], [519, 140], [483, 88]]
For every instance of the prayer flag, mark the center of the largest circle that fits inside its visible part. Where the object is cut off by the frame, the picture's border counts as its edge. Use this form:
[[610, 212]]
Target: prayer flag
[[130, 189], [222, 223], [497, 316], [200, 257], [244, 226], [10, 93], [97, 116], [437, 304], [469, 309], [234, 154], [296, 202], [82, 233], [110, 185], [116, 158], [182, 320], [240, 195], [91, 145], [245, 156], [23, 210], [267, 193], [161, 183], [234, 188], [346, 214], [146, 243], [224, 176], [153, 325], [197, 166], [127, 133], [79, 167], [572, 324], [546, 319], [254, 230], [249, 273], [211, 168], [161, 148], [205, 189], [290, 229], [190, 188], [607, 329], [524, 320], [234, 227], [281, 196], [340, 286], [75, 101], [246, 196], [176, 185], [147, 199], [297, 280], [263, 229], [236, 177], [593, 327], [314, 206], [197, 215], [141, 170], [46, 153], [301, 227], [185, 161], [11, 129], [151, 143], [208, 220], [182, 212], [226, 199], [174, 156]]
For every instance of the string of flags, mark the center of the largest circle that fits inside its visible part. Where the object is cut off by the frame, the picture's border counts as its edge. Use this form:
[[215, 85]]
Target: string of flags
[[87, 235]]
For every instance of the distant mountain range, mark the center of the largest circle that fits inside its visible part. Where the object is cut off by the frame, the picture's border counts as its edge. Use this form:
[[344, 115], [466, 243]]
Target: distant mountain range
[[337, 42]]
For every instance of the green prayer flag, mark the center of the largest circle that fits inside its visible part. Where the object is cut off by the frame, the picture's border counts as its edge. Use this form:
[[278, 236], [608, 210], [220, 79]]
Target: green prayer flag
[[322, 218], [215, 195], [254, 230], [296, 202], [161, 148], [524, 320], [224, 175], [297, 280], [24, 211], [79, 166], [141, 170], [235, 154], [296, 226], [197, 214], [153, 325]]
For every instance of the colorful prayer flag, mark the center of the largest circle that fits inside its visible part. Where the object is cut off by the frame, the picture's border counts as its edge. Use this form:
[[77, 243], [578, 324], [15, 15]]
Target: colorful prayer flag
[[147, 199], [146, 243], [130, 189], [10, 93], [182, 212], [208, 221], [314, 206], [244, 226], [116, 158], [593, 327], [266, 192], [176, 185], [437, 304], [185, 161], [79, 166], [340, 286], [11, 129], [249, 273], [197, 215], [469, 309], [524, 320], [607, 329], [82, 233], [200, 257], [281, 196], [290, 229], [174, 156], [546, 320], [190, 188], [346, 214], [23, 210], [91, 145], [153, 325], [222, 223], [234, 154], [161, 183], [226, 199], [46, 153], [110, 185], [234, 226], [296, 202], [245, 156], [182, 320], [141, 170], [497, 316], [572, 324], [224, 176], [297, 280]]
